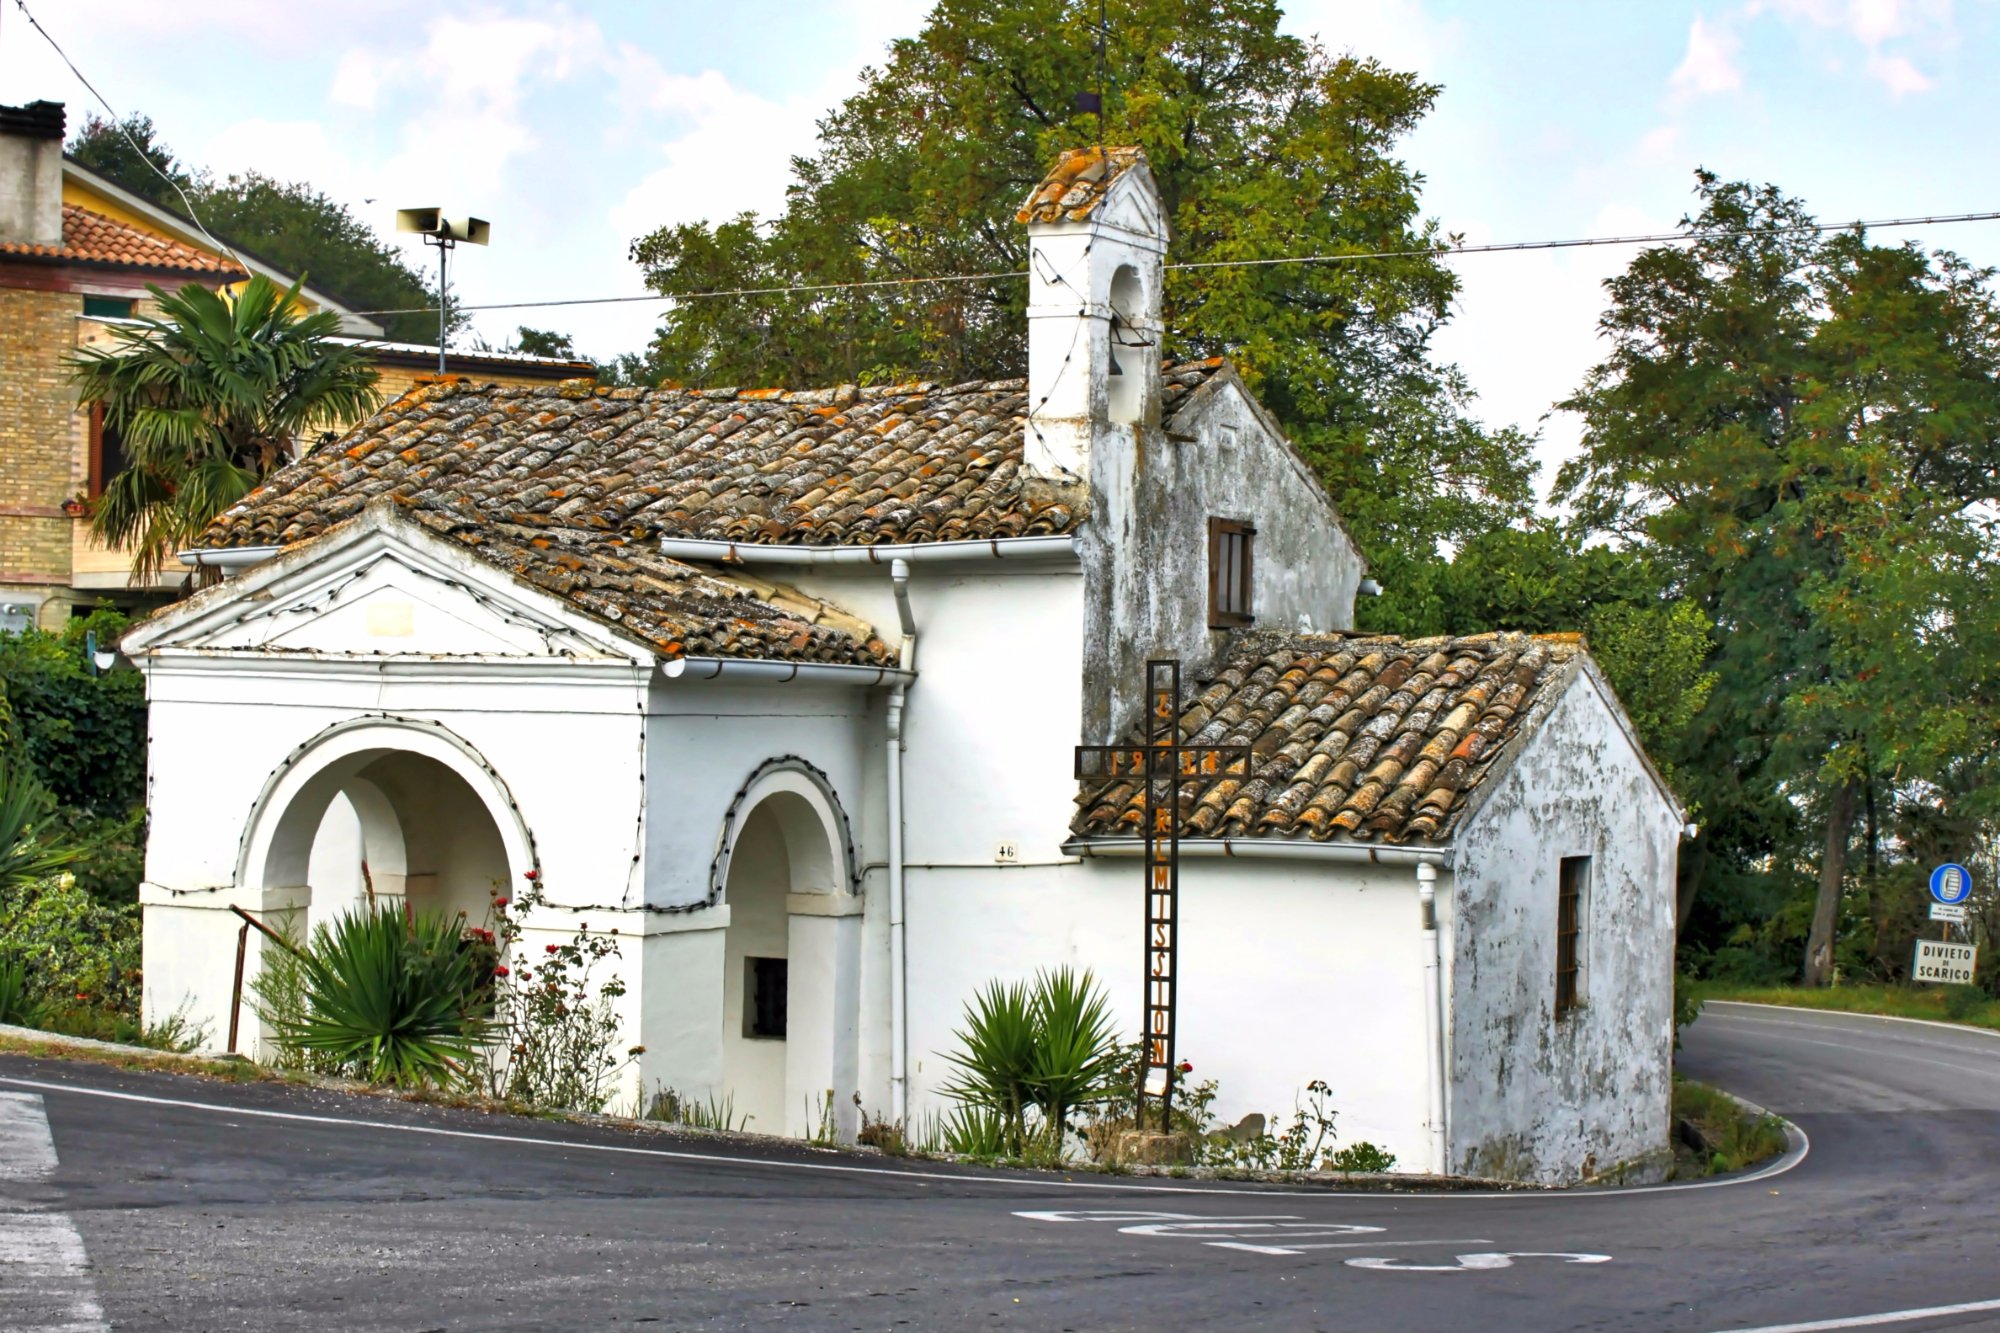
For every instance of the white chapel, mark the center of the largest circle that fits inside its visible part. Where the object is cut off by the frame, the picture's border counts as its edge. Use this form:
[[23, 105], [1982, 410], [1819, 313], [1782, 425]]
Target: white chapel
[[785, 686]]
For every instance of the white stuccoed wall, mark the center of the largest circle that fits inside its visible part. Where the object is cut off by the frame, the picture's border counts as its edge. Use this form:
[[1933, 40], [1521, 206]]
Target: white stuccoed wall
[[1533, 1098]]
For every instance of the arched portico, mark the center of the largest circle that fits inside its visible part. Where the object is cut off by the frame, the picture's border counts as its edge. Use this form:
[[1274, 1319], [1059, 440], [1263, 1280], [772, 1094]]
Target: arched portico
[[388, 810], [792, 954]]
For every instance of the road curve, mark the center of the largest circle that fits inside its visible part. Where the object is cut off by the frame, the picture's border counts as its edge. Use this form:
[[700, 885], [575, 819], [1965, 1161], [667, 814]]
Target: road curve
[[202, 1206]]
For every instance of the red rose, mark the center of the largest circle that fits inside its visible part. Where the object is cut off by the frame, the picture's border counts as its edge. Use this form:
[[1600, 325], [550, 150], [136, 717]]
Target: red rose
[[500, 970], [533, 874], [1185, 1067], [551, 948], [500, 904]]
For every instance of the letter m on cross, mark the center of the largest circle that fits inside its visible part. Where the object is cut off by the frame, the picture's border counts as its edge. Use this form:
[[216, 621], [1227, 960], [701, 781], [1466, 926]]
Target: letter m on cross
[[1162, 766]]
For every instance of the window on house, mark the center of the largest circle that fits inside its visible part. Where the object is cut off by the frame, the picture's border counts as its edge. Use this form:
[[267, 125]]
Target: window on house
[[107, 451], [1573, 881], [764, 997], [1229, 573], [109, 307]]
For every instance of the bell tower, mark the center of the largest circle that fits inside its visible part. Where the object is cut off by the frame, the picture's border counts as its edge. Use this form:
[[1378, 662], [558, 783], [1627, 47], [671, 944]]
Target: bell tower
[[1097, 246]]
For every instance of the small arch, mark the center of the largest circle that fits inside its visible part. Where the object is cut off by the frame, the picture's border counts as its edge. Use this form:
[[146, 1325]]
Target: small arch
[[1131, 351], [817, 839]]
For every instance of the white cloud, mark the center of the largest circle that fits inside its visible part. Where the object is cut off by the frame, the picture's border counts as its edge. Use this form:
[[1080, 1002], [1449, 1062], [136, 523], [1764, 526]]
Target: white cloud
[[1898, 75], [1710, 63]]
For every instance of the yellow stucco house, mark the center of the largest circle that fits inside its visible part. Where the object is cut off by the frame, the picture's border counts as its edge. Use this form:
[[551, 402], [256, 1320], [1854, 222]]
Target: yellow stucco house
[[77, 254]]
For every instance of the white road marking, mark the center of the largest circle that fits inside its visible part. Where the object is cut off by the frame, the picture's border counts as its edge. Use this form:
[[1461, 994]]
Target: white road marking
[[1779, 1167], [1843, 1013], [27, 1152], [1876, 1320], [1476, 1263], [45, 1280], [1289, 1248]]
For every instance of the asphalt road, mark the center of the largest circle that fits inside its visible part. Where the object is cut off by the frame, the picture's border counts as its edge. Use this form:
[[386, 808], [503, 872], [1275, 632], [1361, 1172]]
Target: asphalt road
[[150, 1201]]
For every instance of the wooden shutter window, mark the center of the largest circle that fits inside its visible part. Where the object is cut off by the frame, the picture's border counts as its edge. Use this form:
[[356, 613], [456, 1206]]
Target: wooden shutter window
[[107, 452], [1573, 878], [1230, 573]]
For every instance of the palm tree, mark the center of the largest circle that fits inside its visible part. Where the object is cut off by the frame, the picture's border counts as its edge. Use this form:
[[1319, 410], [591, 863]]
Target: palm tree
[[209, 398]]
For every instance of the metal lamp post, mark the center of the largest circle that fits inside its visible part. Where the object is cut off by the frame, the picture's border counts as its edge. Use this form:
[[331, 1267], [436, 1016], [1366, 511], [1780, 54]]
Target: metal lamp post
[[444, 233]]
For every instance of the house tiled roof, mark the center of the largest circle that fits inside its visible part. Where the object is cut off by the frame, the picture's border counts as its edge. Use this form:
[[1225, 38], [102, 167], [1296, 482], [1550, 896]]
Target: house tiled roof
[[1077, 184], [92, 238], [672, 608], [841, 466], [1355, 737]]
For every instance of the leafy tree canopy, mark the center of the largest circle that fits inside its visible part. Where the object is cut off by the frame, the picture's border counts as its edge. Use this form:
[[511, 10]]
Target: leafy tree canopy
[[290, 225], [1803, 431], [1263, 145]]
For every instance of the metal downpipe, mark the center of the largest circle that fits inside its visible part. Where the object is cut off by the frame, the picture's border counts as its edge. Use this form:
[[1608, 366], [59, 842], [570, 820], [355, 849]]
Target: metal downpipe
[[1433, 1013], [899, 997]]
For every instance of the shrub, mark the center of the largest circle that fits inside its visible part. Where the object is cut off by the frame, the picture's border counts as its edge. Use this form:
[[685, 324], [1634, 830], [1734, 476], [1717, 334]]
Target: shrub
[[1362, 1156], [556, 1024], [76, 950], [1962, 1002], [392, 998], [30, 850]]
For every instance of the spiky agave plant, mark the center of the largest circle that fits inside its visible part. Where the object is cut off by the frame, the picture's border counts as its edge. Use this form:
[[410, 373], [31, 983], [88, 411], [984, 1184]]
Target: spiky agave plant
[[1076, 1051], [18, 1005], [396, 999], [996, 1060]]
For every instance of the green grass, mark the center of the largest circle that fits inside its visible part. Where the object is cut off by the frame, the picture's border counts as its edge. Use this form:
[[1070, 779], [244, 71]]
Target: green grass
[[1945, 1004], [1735, 1138]]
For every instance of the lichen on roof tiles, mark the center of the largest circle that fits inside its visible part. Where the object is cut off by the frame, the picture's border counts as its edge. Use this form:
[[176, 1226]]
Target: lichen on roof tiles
[[824, 467], [1354, 737], [1077, 184], [672, 608]]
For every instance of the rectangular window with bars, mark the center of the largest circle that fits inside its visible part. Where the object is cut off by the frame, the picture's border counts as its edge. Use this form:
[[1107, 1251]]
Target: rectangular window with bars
[[1572, 883], [1230, 577]]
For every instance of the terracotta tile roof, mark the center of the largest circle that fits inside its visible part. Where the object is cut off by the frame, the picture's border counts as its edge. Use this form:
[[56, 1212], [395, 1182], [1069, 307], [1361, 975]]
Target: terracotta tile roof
[[1077, 184], [827, 467], [1352, 736], [92, 238], [673, 608]]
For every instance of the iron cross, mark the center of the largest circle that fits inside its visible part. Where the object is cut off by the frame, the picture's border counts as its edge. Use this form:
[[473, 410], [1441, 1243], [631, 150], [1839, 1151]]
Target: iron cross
[[1163, 764]]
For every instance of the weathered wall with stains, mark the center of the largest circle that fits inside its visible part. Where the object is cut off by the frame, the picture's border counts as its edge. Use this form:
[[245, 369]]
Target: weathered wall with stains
[[1534, 1097], [1145, 546]]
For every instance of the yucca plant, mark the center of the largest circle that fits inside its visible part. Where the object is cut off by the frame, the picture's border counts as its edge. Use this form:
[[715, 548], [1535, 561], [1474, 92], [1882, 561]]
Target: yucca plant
[[17, 1004], [394, 998], [28, 850], [996, 1060], [1076, 1052], [1047, 1046]]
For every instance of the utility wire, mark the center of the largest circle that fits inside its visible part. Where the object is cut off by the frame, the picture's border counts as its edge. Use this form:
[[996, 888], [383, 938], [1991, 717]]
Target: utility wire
[[137, 147], [1432, 252]]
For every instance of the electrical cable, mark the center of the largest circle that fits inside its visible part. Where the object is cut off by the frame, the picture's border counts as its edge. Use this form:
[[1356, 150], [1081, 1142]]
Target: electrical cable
[[1434, 252], [137, 147]]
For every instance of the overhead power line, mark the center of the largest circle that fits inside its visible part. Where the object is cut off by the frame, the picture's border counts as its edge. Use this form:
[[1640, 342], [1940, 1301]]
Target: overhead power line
[[1432, 252], [119, 125]]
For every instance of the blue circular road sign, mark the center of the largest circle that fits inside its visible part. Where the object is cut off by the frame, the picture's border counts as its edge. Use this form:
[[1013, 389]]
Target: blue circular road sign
[[1951, 883]]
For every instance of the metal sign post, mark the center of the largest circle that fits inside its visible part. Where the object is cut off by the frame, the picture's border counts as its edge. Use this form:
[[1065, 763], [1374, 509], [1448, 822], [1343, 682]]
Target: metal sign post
[[1162, 764]]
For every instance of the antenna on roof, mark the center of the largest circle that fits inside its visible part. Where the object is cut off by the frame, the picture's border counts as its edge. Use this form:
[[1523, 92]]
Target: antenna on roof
[[1094, 101], [444, 233]]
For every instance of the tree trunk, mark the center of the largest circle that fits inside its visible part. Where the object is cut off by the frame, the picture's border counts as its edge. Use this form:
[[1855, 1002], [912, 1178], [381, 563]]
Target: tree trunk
[[1832, 871]]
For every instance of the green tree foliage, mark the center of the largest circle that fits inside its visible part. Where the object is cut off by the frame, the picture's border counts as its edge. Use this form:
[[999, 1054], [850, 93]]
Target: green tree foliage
[[209, 398], [80, 736], [1803, 432], [1263, 145], [1544, 579], [129, 153], [287, 224]]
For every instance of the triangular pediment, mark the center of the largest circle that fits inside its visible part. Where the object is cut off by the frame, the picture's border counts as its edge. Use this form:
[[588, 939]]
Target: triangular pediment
[[378, 587]]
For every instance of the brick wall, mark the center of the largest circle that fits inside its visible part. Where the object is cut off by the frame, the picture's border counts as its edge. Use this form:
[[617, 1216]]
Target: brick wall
[[39, 439]]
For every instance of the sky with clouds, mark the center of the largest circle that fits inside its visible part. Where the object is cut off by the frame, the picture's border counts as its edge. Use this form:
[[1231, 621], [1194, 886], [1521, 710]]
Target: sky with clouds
[[576, 125]]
